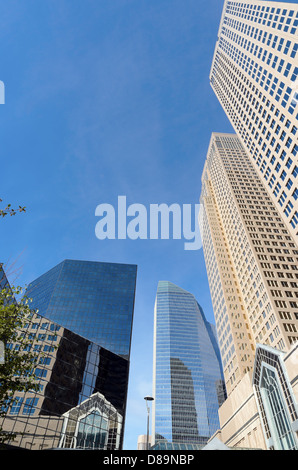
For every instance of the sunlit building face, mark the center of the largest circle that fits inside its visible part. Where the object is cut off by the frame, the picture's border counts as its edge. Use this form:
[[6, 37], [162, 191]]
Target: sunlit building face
[[251, 259], [254, 74], [188, 380]]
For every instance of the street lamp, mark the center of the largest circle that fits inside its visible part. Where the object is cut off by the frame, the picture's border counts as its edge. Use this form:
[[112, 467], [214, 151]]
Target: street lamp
[[148, 412]]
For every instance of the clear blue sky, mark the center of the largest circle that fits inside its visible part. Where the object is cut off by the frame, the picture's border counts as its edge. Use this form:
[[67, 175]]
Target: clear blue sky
[[106, 98]]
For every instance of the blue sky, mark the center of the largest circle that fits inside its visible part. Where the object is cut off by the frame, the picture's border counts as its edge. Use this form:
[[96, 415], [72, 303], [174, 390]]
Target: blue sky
[[106, 98]]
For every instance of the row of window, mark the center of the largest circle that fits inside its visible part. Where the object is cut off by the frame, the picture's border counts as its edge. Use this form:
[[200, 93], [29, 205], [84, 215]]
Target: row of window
[[224, 90], [265, 223], [29, 406], [282, 19]]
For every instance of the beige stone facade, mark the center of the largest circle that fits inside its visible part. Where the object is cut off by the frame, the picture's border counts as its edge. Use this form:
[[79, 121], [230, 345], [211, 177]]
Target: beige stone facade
[[239, 418], [142, 442], [249, 222], [291, 364], [251, 261]]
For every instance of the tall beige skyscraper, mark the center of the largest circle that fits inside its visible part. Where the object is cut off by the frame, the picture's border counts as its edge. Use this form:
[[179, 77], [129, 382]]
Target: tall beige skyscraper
[[251, 259], [254, 75]]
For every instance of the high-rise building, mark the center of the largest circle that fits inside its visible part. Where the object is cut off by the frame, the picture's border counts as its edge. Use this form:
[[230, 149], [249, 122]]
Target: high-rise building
[[92, 299], [82, 330], [254, 75], [80, 398], [251, 259], [188, 383]]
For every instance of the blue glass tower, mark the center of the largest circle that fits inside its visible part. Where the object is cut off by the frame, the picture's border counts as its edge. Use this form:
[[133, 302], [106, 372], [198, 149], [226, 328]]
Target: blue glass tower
[[188, 378], [92, 299]]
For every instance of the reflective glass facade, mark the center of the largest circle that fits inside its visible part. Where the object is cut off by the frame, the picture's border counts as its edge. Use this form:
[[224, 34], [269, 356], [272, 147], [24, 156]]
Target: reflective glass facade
[[92, 299], [175, 446], [188, 380], [81, 331], [3, 278], [81, 397]]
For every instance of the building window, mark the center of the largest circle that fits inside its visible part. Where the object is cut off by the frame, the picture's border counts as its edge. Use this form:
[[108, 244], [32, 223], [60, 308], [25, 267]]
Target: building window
[[276, 411], [41, 373], [30, 405], [16, 405], [92, 432]]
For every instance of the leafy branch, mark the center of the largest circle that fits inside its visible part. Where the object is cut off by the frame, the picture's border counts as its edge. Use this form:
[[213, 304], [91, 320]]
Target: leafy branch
[[9, 210], [17, 373]]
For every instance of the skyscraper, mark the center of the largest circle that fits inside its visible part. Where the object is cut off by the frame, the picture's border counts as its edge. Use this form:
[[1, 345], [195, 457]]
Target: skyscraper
[[80, 398], [254, 75], [92, 299], [251, 259], [82, 332], [188, 382]]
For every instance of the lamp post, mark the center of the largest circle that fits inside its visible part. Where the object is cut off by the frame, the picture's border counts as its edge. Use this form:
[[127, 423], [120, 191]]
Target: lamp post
[[148, 413]]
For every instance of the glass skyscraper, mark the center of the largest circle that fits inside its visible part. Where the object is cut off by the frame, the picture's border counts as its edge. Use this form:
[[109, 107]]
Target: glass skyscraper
[[188, 385], [82, 314], [92, 299], [80, 399]]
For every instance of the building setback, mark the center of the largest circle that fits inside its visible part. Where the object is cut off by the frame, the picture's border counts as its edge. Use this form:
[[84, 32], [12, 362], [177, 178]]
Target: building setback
[[254, 75], [188, 383]]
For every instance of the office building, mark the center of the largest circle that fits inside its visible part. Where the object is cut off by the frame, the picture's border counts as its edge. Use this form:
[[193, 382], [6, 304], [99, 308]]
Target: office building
[[81, 397], [187, 376], [82, 378], [92, 299], [142, 442], [251, 261], [254, 75]]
